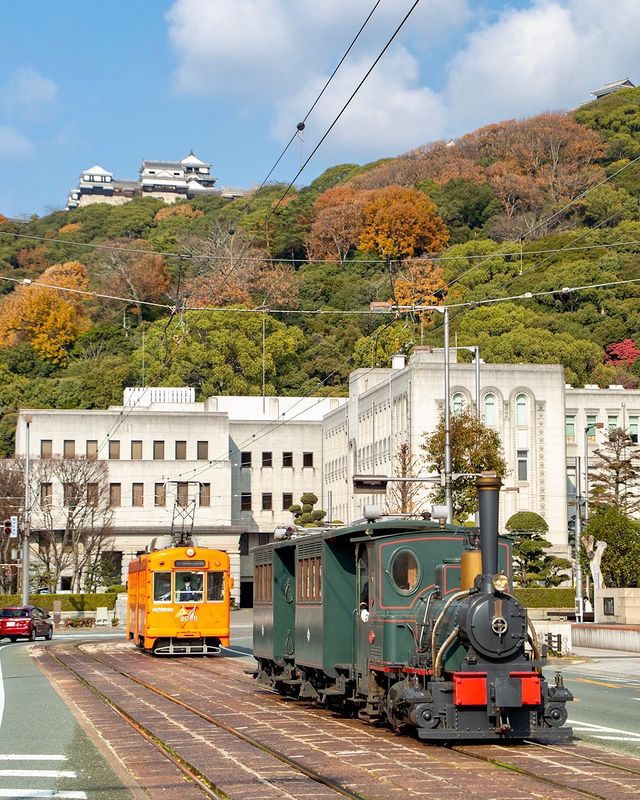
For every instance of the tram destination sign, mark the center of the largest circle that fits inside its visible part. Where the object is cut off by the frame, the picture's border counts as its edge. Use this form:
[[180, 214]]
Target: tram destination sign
[[191, 562]]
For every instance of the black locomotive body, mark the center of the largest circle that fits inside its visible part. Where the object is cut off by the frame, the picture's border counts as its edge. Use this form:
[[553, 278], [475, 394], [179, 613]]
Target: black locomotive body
[[408, 622]]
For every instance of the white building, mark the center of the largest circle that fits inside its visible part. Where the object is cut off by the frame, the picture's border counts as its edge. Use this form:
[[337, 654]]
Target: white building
[[239, 462]]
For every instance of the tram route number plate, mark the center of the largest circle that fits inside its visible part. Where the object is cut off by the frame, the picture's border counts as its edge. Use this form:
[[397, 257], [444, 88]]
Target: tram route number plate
[[191, 562]]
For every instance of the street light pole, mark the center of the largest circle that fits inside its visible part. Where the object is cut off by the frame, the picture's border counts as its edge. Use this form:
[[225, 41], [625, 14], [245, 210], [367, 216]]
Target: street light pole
[[26, 519], [595, 426], [448, 496]]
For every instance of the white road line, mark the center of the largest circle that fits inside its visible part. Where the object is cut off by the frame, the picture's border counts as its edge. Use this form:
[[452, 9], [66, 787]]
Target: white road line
[[37, 773], [1, 690], [38, 757], [591, 727], [239, 652], [18, 794], [618, 738]]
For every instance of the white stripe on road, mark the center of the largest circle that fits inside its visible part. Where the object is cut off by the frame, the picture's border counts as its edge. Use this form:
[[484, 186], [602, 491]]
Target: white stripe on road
[[590, 727], [37, 773], [18, 794], [18, 757], [239, 652], [1, 690], [617, 738]]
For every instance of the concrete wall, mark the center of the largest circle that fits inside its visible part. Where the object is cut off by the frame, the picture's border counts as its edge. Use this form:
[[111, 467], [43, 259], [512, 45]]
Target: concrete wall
[[624, 603], [607, 637]]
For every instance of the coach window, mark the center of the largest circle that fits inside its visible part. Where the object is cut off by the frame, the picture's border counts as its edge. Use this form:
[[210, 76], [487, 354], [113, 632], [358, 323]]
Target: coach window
[[215, 587], [161, 587], [405, 571]]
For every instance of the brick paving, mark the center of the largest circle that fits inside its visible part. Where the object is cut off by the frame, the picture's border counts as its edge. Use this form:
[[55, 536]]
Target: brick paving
[[372, 762]]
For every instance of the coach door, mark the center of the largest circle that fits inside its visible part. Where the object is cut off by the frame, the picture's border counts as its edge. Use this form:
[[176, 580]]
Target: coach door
[[366, 601]]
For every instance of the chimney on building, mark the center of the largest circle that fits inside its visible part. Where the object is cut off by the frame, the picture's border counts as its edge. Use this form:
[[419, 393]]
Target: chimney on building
[[398, 361]]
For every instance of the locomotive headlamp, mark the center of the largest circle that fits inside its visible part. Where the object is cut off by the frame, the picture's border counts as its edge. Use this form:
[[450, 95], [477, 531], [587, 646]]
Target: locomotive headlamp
[[500, 583], [191, 551]]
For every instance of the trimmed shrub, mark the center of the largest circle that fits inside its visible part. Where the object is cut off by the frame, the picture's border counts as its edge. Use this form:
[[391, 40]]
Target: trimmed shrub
[[546, 598], [70, 602]]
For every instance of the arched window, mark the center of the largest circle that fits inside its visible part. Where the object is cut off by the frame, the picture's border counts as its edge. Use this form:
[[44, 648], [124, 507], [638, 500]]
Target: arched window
[[490, 410], [521, 410], [457, 405]]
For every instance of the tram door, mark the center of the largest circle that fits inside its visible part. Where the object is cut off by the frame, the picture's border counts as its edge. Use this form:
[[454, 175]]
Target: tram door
[[365, 586]]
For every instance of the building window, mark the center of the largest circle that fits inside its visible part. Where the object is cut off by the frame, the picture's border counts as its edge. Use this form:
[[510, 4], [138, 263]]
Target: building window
[[245, 501], [70, 495], [115, 494], [158, 451], [287, 500], [205, 494], [114, 449], [203, 451], [245, 458], [182, 494], [136, 450], [160, 494], [92, 448], [633, 429], [612, 422], [521, 409], [69, 448], [307, 459], [267, 459], [46, 495], [93, 494], [287, 459], [267, 501], [591, 431], [137, 494], [65, 583], [46, 448], [490, 410], [570, 428], [457, 405], [181, 451], [523, 465]]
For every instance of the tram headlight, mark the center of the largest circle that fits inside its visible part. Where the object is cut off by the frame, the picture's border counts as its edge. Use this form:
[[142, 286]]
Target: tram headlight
[[190, 551], [500, 583]]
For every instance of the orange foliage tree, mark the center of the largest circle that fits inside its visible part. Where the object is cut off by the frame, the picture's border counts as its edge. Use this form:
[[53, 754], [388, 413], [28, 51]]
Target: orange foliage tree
[[48, 319], [140, 277], [422, 283], [338, 223], [399, 223]]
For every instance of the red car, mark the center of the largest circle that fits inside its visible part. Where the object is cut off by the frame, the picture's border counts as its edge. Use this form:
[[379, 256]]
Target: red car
[[25, 621]]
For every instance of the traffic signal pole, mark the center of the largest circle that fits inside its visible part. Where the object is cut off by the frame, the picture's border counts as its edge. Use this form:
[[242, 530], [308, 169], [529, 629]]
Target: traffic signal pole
[[26, 520]]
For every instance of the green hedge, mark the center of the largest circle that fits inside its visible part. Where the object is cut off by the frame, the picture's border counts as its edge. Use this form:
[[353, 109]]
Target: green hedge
[[546, 598], [70, 602]]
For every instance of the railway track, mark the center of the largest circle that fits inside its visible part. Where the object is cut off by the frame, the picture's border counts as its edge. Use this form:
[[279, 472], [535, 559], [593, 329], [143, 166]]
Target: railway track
[[193, 711]]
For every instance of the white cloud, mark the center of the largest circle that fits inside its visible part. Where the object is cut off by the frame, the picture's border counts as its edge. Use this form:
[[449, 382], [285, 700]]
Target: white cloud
[[278, 53], [27, 92], [13, 144]]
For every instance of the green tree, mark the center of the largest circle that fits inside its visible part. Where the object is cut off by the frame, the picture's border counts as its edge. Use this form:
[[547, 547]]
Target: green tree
[[304, 515], [616, 478], [532, 565], [621, 560], [474, 449], [377, 349]]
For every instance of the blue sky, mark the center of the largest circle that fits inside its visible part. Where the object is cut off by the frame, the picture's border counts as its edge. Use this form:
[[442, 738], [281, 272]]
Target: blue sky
[[117, 82]]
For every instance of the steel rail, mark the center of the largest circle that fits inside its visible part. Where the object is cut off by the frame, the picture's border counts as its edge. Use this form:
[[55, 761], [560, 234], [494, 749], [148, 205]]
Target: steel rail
[[202, 780]]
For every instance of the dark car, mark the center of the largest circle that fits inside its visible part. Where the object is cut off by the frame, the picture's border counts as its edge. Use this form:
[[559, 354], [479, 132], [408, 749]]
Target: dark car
[[25, 621]]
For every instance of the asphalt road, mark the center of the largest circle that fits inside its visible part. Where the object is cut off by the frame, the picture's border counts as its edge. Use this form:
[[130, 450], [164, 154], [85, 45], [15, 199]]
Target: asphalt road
[[606, 709], [44, 752]]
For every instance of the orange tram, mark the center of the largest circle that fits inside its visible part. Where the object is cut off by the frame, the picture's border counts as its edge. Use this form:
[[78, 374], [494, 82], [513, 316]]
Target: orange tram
[[178, 601]]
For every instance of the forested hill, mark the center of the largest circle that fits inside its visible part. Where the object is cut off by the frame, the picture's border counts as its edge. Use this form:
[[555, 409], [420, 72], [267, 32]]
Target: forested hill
[[527, 206]]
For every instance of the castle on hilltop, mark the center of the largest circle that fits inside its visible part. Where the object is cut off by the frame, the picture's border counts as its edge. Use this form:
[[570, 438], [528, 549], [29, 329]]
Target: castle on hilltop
[[167, 180]]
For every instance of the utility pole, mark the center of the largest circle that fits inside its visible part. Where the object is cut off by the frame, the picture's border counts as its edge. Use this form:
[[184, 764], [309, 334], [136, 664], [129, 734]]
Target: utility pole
[[26, 518], [576, 547], [448, 495]]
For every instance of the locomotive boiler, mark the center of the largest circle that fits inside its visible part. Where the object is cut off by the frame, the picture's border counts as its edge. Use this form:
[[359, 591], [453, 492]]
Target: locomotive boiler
[[408, 622]]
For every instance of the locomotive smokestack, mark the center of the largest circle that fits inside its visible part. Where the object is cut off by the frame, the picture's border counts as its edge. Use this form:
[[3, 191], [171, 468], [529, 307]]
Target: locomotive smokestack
[[488, 486]]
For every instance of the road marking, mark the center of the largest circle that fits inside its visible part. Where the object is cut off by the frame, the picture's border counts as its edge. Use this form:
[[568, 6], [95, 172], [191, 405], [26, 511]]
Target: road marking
[[598, 683], [18, 757], [37, 773], [239, 652], [618, 738], [592, 728], [1, 690], [15, 794]]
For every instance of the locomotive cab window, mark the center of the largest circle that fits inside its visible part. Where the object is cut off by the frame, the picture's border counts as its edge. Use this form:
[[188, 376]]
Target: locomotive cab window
[[405, 571], [189, 587], [161, 587], [215, 587]]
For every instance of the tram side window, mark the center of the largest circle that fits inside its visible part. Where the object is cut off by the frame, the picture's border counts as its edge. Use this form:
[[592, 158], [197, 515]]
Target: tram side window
[[215, 586], [263, 586], [309, 578], [161, 587], [189, 587]]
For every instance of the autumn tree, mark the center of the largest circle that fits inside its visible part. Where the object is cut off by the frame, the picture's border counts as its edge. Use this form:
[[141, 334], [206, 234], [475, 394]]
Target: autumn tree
[[624, 352], [337, 224], [421, 283], [44, 315], [532, 564], [71, 517], [475, 448], [399, 223], [403, 496], [615, 480]]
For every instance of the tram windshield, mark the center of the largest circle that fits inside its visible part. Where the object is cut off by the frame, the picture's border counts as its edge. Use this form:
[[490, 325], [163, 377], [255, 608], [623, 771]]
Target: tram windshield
[[215, 586], [188, 588]]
